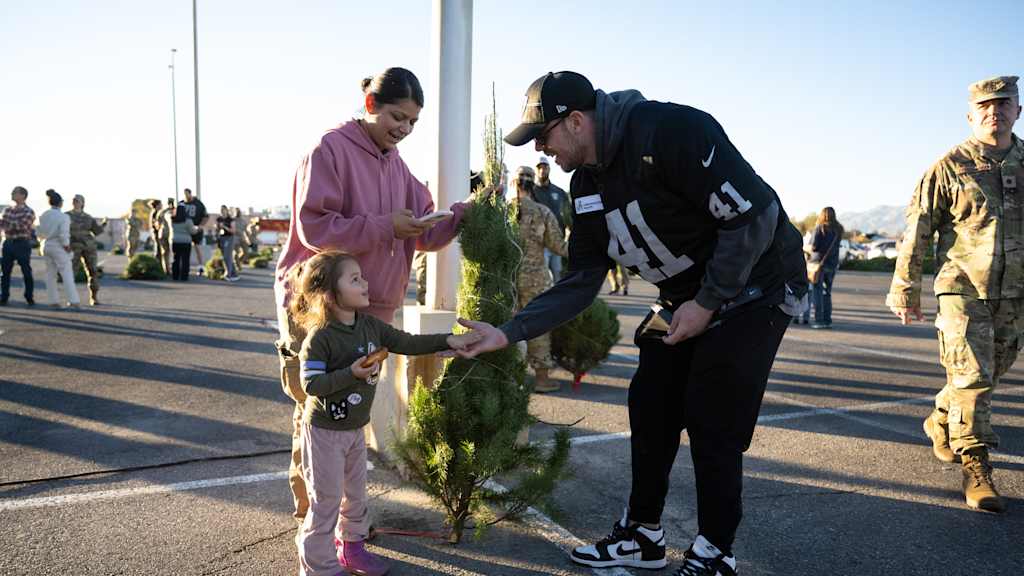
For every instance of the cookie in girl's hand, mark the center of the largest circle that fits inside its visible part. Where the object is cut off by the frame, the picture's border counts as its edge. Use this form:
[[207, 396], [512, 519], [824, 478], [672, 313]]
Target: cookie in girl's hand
[[378, 355]]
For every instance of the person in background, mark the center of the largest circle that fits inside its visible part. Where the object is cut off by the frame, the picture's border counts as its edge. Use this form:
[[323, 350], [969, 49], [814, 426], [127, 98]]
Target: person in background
[[181, 230], [131, 234], [55, 232], [160, 232], [16, 224], [252, 235], [196, 211], [618, 277], [828, 232], [84, 229], [226, 242], [241, 241], [972, 198], [556, 199], [538, 233]]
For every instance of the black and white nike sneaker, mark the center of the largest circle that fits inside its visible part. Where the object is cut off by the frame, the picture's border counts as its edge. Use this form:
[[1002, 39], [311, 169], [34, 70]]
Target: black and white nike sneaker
[[704, 559], [633, 546]]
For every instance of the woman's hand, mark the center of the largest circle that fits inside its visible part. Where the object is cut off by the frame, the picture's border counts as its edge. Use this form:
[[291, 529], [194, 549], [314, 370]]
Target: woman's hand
[[358, 371], [406, 225]]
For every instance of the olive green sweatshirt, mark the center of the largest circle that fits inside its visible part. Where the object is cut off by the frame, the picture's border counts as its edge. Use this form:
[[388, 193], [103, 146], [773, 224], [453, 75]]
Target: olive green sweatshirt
[[336, 398]]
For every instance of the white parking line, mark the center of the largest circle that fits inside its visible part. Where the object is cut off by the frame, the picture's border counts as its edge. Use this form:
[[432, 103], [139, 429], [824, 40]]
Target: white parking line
[[42, 502], [142, 490]]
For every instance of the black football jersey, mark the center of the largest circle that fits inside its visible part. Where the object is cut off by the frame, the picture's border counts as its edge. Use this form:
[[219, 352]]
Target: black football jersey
[[657, 206]]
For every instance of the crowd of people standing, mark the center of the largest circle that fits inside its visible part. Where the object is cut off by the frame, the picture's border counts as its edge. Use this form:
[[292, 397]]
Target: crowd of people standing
[[68, 242]]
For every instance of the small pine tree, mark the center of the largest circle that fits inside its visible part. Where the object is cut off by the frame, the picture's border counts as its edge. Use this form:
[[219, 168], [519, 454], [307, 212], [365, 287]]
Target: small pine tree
[[585, 341], [462, 433]]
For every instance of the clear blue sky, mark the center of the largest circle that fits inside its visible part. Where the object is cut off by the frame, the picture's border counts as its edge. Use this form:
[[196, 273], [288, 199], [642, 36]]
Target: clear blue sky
[[840, 103]]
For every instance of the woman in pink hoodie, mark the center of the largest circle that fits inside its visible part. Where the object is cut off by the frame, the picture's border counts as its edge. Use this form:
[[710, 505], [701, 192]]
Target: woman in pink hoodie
[[354, 193]]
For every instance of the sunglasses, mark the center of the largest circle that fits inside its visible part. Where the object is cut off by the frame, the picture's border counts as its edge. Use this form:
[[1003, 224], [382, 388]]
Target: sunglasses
[[542, 138]]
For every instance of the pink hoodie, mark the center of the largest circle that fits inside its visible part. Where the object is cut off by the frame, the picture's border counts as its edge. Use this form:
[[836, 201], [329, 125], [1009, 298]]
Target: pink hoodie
[[343, 196]]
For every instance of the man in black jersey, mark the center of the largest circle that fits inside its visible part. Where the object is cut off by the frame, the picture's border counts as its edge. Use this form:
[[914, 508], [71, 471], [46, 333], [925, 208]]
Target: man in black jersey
[[660, 189]]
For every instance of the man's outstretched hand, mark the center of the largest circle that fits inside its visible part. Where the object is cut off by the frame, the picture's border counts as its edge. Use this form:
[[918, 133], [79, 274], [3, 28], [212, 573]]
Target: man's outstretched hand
[[489, 339]]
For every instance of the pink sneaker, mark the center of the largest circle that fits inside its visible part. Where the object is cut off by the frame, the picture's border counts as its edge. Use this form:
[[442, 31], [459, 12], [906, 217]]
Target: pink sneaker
[[355, 558]]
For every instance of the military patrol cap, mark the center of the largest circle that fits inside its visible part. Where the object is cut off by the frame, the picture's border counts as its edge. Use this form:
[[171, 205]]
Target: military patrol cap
[[993, 88]]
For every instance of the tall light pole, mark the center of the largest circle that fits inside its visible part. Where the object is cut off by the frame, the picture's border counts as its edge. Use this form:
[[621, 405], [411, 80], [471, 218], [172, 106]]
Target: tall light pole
[[174, 120], [195, 71], [451, 56]]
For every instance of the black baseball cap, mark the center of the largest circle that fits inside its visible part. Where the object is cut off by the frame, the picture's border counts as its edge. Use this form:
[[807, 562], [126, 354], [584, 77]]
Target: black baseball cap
[[552, 96]]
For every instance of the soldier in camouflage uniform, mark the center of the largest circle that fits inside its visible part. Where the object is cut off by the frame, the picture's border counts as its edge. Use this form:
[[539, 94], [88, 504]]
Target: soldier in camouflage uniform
[[131, 235], [973, 198], [538, 230], [84, 229]]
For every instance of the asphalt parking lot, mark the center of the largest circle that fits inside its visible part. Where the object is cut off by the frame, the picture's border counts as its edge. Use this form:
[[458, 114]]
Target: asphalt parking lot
[[150, 436]]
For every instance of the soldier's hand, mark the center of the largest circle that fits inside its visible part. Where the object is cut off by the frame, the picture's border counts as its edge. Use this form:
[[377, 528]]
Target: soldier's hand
[[906, 313], [689, 320]]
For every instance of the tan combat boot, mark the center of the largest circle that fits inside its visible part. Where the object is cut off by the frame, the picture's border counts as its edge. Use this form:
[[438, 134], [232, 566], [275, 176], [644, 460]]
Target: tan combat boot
[[979, 491], [543, 384], [939, 434]]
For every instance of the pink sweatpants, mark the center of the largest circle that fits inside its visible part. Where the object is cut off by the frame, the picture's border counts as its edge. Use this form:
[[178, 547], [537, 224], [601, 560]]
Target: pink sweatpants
[[334, 467]]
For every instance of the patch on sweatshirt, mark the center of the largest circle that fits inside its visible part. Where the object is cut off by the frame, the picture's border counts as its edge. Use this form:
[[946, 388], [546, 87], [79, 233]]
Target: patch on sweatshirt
[[354, 399], [339, 411]]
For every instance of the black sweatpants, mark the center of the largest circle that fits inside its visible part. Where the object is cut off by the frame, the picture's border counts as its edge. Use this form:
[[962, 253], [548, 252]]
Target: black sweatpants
[[180, 265], [712, 386]]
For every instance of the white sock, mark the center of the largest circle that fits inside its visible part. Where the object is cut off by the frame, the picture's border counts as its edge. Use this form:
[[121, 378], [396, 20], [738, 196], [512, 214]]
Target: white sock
[[654, 535], [705, 549]]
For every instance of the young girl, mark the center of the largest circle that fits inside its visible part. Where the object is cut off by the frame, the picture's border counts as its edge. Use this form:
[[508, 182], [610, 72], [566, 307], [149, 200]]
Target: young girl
[[329, 300]]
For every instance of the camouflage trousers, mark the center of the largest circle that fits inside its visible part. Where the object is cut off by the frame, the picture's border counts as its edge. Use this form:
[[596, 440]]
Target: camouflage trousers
[[419, 264], [538, 350], [978, 343], [83, 255], [288, 348], [162, 252], [133, 245]]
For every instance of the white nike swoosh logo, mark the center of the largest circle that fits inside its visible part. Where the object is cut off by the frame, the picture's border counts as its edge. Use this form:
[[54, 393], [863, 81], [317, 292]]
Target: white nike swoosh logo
[[707, 162]]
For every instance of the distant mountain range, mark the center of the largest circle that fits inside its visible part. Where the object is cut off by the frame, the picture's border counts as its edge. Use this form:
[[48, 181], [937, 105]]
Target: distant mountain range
[[887, 220]]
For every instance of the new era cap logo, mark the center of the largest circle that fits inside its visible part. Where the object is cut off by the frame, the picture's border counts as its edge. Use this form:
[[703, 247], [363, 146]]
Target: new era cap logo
[[559, 108]]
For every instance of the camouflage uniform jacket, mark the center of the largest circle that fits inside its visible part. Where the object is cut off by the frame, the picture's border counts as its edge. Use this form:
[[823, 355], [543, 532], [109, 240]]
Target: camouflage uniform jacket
[[84, 229], [538, 229], [975, 202]]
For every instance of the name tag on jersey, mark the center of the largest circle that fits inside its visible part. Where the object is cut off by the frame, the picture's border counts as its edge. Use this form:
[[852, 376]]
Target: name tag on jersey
[[590, 203]]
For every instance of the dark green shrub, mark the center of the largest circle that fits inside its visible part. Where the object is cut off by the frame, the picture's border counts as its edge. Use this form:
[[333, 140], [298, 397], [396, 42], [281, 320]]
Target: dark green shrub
[[215, 269], [259, 262], [584, 342], [143, 267]]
